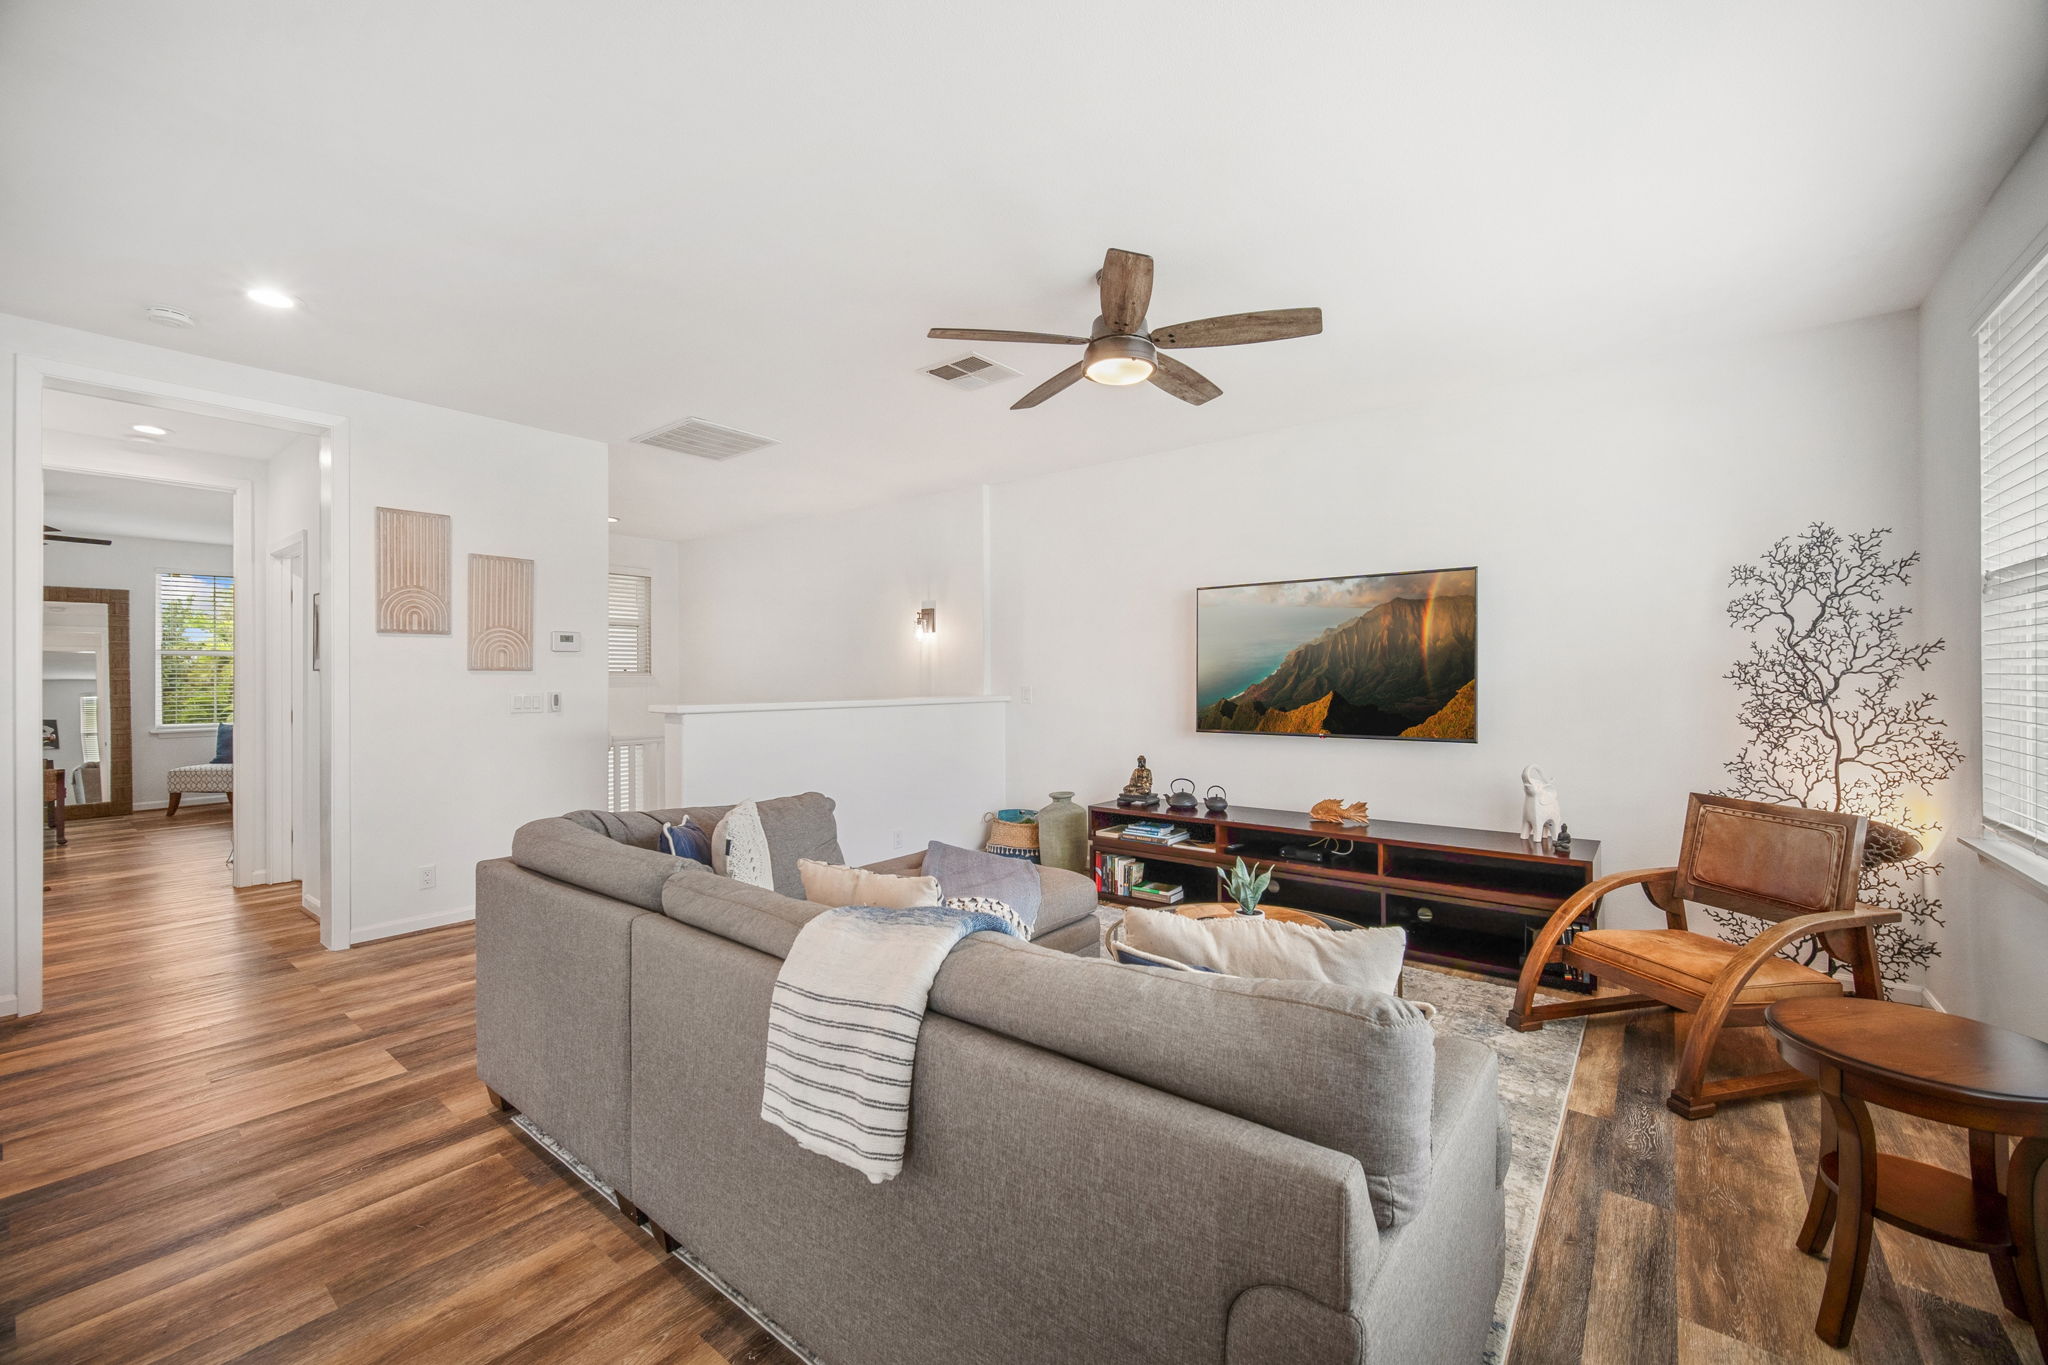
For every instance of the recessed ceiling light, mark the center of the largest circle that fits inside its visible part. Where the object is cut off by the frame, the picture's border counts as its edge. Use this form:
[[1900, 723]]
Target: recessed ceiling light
[[145, 429], [271, 297]]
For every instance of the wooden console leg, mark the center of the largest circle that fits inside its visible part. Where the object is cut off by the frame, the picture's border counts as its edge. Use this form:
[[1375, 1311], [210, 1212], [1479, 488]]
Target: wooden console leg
[[1856, 1191], [499, 1102]]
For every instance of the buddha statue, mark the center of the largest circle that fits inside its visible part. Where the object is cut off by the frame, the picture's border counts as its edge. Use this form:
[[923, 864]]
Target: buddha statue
[[1139, 788]]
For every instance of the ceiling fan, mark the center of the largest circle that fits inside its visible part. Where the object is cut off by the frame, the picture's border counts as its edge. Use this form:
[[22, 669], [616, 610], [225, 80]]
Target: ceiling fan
[[51, 533], [1120, 349]]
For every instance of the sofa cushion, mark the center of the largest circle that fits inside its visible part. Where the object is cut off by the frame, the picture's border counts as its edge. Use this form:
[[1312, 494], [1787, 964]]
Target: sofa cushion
[[1252, 945], [570, 851], [828, 884], [797, 827], [1343, 1068], [969, 872]]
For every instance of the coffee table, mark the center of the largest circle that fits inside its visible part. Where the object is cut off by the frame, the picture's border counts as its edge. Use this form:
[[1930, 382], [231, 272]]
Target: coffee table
[[1943, 1067], [1228, 910]]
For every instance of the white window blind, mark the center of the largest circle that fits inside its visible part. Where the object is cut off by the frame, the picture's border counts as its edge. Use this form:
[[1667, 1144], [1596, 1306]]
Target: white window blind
[[195, 654], [628, 643], [89, 728], [629, 773], [2012, 399]]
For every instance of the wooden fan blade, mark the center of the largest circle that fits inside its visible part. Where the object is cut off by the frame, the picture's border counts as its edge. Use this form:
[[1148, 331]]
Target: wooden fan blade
[[1126, 290], [49, 536], [1049, 387], [1236, 329], [1182, 382], [978, 334]]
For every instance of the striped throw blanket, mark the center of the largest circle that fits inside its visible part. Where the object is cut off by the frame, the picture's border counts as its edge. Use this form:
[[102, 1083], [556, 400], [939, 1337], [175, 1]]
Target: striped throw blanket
[[843, 1024]]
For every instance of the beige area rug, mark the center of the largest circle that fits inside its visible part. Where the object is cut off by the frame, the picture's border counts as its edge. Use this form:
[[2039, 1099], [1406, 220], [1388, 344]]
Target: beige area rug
[[1535, 1079]]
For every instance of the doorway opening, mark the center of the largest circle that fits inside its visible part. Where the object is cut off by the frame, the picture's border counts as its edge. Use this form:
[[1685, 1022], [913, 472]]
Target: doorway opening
[[182, 693]]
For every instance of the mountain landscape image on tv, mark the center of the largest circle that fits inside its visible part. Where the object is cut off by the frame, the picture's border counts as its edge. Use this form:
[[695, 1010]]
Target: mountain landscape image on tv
[[1379, 656]]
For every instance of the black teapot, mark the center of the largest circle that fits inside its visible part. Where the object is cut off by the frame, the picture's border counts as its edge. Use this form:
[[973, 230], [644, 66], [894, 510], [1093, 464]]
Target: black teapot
[[1218, 800], [1176, 799]]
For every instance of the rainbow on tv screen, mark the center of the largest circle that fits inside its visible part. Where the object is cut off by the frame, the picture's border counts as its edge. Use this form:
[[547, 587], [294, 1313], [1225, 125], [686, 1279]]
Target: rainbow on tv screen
[[1379, 656]]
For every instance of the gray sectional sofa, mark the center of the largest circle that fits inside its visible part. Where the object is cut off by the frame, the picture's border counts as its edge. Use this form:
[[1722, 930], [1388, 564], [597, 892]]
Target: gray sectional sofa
[[1106, 1163]]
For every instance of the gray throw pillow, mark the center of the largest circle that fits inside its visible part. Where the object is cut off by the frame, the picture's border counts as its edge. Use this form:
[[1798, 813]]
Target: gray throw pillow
[[799, 827], [970, 872]]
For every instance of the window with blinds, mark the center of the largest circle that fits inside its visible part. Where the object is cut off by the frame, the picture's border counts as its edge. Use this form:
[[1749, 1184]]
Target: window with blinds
[[89, 728], [629, 773], [2012, 402], [628, 641], [195, 649]]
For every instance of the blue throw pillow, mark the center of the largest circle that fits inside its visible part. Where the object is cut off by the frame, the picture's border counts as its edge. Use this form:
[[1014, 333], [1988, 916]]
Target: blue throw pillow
[[969, 872], [687, 840], [224, 744]]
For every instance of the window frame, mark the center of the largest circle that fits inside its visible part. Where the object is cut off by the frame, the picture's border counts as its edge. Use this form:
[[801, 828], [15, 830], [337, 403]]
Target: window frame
[[157, 653], [645, 624]]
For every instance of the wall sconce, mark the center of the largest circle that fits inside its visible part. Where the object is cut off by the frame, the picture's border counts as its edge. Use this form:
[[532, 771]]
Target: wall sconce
[[927, 621]]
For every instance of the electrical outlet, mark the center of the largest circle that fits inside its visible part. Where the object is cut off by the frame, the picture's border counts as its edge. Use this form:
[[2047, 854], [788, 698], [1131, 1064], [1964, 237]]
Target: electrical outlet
[[430, 877], [896, 841], [1024, 694]]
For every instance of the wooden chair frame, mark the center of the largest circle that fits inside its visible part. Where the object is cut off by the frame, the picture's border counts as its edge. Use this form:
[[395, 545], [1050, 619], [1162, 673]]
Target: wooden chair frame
[[1848, 933]]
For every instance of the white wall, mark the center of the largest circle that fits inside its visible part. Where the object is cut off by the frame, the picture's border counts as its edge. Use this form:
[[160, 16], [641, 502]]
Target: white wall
[[132, 563], [1604, 511], [1997, 937], [821, 608], [903, 772], [437, 769]]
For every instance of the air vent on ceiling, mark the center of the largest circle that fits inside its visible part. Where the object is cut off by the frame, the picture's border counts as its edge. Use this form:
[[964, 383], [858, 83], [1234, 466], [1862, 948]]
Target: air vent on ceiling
[[972, 372], [695, 436]]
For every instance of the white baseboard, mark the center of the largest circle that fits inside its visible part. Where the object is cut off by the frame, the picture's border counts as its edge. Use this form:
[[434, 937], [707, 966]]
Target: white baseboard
[[7, 1010], [1907, 994], [195, 799], [412, 924], [311, 903]]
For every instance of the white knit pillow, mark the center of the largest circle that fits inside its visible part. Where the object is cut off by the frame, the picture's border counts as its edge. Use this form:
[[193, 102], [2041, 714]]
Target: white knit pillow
[[739, 847], [985, 905], [1252, 945]]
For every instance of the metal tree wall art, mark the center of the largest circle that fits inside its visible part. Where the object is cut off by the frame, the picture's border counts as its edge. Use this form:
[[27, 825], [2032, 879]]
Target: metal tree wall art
[[1832, 724]]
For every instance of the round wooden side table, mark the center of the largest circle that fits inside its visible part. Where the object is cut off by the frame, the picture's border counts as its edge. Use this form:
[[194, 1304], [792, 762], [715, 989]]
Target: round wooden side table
[[1228, 910], [1990, 1081]]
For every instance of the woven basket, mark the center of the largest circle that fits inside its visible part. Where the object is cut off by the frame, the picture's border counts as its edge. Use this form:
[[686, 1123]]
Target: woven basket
[[1012, 838]]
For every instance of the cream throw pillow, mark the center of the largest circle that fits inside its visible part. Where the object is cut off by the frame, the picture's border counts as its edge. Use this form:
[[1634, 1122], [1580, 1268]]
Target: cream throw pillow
[[1248, 945], [739, 847], [830, 884]]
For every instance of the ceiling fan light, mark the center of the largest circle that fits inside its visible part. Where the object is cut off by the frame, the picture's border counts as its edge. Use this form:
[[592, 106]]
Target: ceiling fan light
[[1119, 360]]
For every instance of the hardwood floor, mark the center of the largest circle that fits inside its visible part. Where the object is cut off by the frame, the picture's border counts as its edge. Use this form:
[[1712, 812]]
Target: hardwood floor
[[221, 1142], [1668, 1241]]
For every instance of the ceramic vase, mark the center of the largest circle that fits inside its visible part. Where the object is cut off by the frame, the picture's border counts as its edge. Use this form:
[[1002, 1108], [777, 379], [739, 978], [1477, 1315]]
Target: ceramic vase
[[1063, 834]]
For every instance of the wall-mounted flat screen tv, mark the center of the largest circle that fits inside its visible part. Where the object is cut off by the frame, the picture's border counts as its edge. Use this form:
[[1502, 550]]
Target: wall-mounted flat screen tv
[[1379, 656]]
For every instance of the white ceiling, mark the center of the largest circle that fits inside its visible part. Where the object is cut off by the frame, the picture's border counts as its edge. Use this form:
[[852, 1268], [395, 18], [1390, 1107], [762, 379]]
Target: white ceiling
[[99, 505], [115, 419], [598, 219]]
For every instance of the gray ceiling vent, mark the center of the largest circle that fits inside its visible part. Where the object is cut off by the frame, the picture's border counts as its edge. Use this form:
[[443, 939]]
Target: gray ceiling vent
[[972, 372], [695, 436]]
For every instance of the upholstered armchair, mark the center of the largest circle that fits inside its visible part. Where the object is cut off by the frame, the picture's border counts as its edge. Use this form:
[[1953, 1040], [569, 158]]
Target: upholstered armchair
[[1793, 868]]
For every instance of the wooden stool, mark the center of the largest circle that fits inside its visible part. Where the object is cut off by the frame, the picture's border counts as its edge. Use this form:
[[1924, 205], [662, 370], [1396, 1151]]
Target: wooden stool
[[1937, 1066]]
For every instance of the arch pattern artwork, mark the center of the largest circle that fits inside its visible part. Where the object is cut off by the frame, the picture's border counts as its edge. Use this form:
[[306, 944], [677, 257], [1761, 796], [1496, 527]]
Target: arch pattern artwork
[[500, 614], [413, 595]]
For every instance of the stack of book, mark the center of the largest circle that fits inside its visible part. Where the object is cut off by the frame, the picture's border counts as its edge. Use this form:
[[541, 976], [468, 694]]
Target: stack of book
[[1116, 873], [1149, 832], [1159, 893]]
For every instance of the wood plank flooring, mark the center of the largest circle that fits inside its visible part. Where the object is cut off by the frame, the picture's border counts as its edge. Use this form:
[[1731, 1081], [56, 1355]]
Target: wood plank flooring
[[1668, 1241], [221, 1142]]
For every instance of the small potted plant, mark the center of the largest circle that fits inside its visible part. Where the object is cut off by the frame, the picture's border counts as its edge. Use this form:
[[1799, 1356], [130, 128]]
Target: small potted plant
[[1246, 885]]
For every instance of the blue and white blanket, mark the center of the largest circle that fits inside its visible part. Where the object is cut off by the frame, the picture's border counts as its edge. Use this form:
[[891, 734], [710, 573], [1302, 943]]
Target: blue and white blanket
[[843, 1025]]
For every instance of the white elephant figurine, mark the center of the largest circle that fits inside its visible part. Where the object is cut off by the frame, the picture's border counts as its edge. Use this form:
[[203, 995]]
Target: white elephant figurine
[[1542, 815]]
